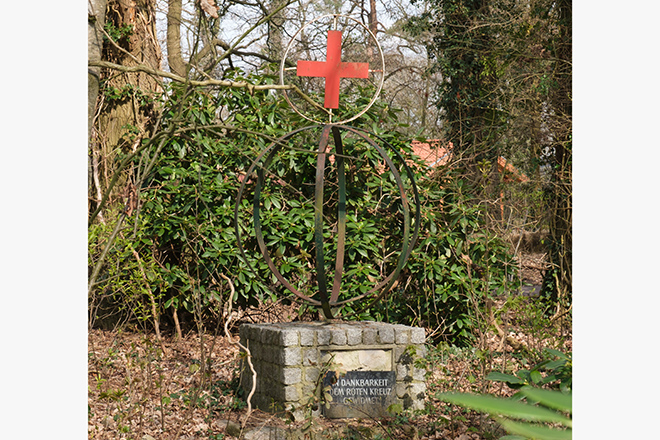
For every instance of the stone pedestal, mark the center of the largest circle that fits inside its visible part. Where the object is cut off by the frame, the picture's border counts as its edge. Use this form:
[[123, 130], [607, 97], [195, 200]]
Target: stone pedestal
[[356, 369]]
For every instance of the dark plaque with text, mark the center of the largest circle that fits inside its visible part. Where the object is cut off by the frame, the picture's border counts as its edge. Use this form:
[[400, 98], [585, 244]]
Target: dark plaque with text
[[359, 394]]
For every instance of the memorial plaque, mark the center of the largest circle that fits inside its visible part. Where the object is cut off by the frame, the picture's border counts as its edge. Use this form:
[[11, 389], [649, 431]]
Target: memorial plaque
[[359, 394]]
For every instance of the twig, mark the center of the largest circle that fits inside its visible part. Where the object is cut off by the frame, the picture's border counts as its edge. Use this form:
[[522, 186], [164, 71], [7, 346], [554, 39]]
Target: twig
[[561, 314], [249, 31], [210, 82], [246, 349], [118, 47], [151, 298], [504, 337]]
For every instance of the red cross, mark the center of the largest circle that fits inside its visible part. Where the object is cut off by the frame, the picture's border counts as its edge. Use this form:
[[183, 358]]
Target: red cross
[[332, 69]]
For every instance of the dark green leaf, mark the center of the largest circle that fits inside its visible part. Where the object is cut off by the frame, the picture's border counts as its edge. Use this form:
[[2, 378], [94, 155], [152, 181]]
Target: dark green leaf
[[536, 376], [535, 431], [502, 377], [556, 353], [506, 407], [552, 399]]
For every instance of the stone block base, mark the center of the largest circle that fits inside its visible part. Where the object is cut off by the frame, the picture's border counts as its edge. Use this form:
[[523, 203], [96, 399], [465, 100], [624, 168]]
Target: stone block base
[[292, 360]]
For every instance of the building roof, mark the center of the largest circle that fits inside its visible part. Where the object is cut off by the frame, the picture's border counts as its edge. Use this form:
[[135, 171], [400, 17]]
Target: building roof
[[433, 151], [510, 172]]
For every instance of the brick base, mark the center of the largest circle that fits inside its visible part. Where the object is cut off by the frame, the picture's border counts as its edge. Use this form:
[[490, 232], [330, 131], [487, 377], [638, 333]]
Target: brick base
[[290, 357]]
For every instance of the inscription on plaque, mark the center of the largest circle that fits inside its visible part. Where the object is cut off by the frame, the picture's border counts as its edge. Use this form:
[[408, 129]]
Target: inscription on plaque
[[359, 393]]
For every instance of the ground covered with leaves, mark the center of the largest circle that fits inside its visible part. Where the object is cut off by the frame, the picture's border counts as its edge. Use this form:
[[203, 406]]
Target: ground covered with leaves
[[142, 388]]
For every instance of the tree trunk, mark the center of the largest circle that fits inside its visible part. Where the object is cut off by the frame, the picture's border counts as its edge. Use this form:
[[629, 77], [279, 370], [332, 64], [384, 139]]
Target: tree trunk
[[561, 199], [373, 27], [126, 110], [174, 57], [96, 21], [275, 44], [373, 17]]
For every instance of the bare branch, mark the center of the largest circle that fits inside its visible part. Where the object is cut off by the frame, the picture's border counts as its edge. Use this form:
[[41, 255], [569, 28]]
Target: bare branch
[[209, 82], [224, 45]]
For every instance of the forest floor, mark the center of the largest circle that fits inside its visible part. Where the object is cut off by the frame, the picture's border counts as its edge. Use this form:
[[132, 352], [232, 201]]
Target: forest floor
[[143, 389]]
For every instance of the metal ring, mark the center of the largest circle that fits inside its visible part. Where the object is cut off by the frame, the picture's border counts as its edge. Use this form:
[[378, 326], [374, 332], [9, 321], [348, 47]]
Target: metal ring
[[262, 162]]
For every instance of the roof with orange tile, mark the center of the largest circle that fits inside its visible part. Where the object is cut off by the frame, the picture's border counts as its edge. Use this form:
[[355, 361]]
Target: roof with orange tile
[[510, 172], [433, 151]]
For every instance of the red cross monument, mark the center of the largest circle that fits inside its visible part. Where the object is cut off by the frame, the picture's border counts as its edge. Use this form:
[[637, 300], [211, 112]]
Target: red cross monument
[[332, 69]]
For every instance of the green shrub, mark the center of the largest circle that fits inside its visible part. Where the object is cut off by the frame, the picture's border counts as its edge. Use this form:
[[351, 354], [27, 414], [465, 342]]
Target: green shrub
[[185, 228], [555, 371], [457, 264]]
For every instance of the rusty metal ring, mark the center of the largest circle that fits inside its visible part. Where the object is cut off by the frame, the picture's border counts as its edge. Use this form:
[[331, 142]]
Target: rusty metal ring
[[327, 302]]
